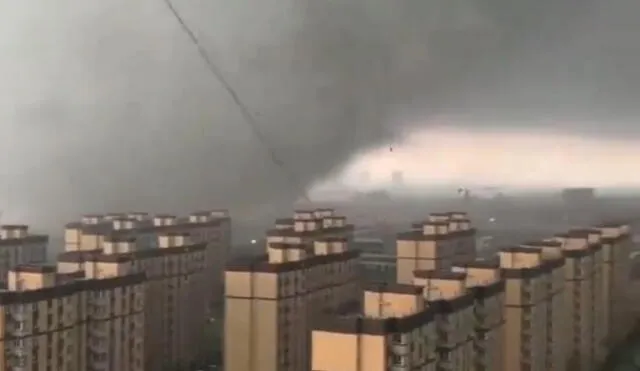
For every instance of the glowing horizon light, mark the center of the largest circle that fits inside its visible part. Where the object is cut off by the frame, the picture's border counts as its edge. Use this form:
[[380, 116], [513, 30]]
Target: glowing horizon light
[[535, 159]]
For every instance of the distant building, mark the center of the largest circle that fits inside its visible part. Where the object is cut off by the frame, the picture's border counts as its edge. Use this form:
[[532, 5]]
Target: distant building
[[18, 246], [580, 205], [435, 244]]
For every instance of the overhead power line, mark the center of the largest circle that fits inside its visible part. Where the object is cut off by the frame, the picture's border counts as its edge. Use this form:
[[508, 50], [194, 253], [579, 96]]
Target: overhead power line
[[244, 111]]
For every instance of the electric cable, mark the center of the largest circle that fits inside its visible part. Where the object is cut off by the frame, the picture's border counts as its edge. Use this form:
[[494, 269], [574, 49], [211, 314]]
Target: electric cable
[[244, 110]]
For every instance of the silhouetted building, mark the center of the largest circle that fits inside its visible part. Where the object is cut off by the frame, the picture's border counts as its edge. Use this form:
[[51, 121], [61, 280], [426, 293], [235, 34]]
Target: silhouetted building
[[580, 206]]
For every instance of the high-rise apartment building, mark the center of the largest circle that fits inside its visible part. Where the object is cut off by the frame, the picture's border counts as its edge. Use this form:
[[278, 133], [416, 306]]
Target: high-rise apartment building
[[212, 228], [483, 279], [434, 244], [530, 279], [391, 329], [176, 291], [616, 247], [447, 293], [445, 321], [583, 292], [308, 226], [555, 304], [18, 246], [271, 300], [580, 205], [69, 322], [557, 316]]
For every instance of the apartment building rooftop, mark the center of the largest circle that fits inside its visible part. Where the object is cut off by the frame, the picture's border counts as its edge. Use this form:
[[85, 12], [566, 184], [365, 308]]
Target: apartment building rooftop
[[262, 264], [10, 234], [309, 232], [357, 318], [61, 284], [514, 262]]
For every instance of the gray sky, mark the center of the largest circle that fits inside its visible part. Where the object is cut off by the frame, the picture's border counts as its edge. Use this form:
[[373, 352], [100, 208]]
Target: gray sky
[[107, 106]]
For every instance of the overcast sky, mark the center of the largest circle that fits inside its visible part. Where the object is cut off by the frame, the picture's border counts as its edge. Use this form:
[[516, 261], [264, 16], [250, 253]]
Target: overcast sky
[[107, 106]]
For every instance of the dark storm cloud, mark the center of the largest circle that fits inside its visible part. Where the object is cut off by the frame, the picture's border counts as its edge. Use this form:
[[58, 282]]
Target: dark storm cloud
[[107, 105]]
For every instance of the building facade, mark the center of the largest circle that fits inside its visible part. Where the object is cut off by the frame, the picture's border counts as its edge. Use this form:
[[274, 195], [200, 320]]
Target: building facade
[[484, 281], [271, 300], [616, 314], [18, 246], [434, 244], [176, 292], [212, 228], [529, 281], [391, 329], [68, 322]]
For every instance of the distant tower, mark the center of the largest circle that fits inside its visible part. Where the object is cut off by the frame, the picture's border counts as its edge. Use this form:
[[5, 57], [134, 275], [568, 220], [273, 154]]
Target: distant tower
[[580, 205], [397, 178]]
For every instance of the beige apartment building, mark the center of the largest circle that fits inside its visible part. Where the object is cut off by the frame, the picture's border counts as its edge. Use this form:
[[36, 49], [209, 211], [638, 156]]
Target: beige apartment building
[[393, 328], [484, 281], [557, 316], [530, 278], [309, 225], [583, 298], [434, 245], [69, 322], [212, 228], [175, 289], [272, 300], [18, 246], [463, 234], [616, 248], [446, 292]]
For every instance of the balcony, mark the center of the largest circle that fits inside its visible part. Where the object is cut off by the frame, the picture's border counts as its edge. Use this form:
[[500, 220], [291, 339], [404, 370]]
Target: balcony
[[20, 352], [444, 338], [18, 315], [98, 364], [98, 347], [98, 329], [400, 349], [400, 367]]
